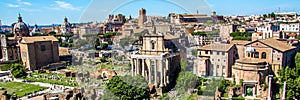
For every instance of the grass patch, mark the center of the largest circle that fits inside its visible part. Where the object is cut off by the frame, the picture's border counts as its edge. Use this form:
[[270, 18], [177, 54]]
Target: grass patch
[[20, 89], [46, 78]]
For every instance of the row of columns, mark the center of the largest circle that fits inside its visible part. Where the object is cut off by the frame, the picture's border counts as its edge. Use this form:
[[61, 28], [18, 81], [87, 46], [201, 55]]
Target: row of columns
[[138, 68]]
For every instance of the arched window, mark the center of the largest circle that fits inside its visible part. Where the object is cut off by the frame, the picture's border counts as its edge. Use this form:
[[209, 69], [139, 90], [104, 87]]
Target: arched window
[[263, 55], [248, 54], [256, 55], [152, 45]]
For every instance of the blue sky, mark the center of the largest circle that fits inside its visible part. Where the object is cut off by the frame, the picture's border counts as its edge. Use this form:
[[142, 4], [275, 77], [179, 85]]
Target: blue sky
[[53, 11]]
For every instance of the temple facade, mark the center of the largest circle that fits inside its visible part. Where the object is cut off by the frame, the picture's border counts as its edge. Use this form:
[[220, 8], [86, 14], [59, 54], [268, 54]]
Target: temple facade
[[157, 61]]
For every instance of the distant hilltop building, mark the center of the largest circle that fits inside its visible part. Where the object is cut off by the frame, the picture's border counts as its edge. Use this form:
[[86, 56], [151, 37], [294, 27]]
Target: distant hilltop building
[[35, 30], [194, 18], [65, 27], [142, 17]]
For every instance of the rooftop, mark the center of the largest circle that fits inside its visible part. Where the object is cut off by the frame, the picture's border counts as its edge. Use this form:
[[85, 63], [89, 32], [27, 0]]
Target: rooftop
[[276, 44], [251, 61], [63, 51], [38, 38], [239, 42], [217, 47]]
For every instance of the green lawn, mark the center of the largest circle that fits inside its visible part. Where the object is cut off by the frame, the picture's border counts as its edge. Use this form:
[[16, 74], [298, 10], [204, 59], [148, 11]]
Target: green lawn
[[20, 89]]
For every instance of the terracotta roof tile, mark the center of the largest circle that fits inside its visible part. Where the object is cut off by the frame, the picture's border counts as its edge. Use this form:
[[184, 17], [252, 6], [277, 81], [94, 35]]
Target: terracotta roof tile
[[63, 51], [38, 38], [279, 45], [217, 47]]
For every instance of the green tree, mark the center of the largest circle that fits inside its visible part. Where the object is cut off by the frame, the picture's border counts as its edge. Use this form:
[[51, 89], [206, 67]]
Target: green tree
[[138, 34], [199, 33], [80, 43], [126, 41], [110, 42], [185, 81], [52, 33], [201, 82], [18, 71], [209, 22], [39, 34], [183, 65], [127, 88], [211, 87], [272, 15], [223, 87], [291, 76], [194, 52], [241, 35], [68, 35], [9, 35], [103, 45]]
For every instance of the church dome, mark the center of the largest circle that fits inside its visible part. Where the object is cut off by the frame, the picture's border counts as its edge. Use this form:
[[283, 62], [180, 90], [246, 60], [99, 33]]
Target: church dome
[[20, 27]]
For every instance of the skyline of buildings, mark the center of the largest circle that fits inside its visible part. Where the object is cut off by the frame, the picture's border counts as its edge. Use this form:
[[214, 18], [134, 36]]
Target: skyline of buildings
[[247, 50], [53, 11]]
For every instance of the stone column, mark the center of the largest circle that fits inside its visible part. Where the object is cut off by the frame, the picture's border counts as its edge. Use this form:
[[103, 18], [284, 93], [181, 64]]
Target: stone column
[[138, 66], [132, 66], [162, 73], [165, 71], [135, 63], [149, 73], [155, 74], [143, 67], [168, 66]]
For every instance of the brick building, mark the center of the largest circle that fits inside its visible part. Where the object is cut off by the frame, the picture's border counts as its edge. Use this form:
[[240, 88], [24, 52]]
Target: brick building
[[217, 59], [38, 51]]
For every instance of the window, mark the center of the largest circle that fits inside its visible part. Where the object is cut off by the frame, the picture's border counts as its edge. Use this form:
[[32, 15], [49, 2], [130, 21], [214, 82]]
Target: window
[[248, 54], [223, 53], [278, 58], [212, 59], [24, 54], [224, 60], [263, 55], [256, 55], [218, 59], [217, 66], [223, 67], [206, 52], [152, 45], [218, 53], [43, 48]]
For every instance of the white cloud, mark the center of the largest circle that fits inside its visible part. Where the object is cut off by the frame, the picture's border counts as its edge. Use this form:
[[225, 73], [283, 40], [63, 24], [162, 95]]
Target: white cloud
[[13, 5], [19, 3], [27, 3], [65, 5]]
